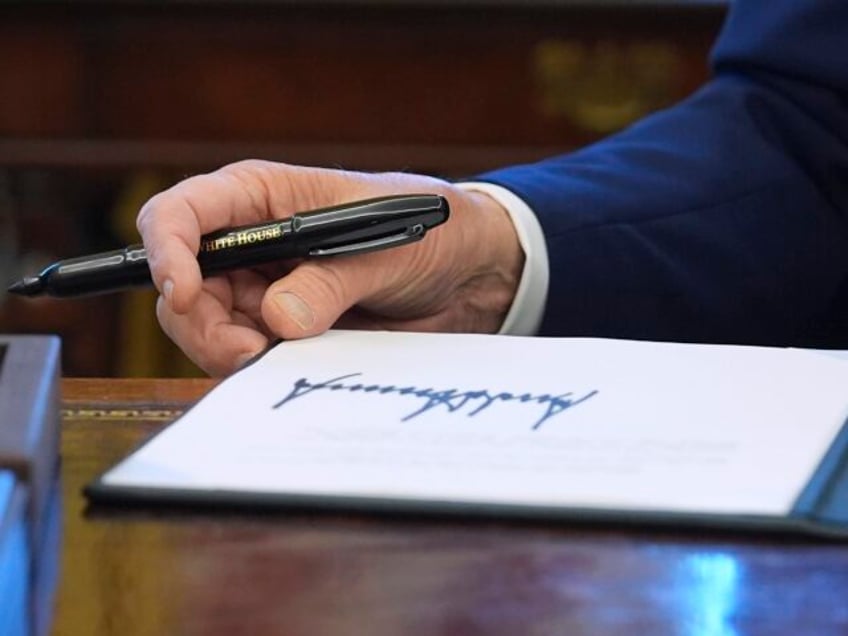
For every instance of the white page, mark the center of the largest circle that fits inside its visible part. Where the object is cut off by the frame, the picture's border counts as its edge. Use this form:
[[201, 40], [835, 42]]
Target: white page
[[634, 426]]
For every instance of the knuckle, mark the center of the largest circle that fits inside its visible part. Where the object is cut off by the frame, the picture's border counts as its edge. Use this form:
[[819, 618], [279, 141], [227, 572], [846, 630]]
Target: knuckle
[[146, 213], [332, 285]]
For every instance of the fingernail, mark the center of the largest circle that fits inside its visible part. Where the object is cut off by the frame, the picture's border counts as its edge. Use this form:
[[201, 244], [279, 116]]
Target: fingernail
[[168, 289], [294, 307], [244, 358]]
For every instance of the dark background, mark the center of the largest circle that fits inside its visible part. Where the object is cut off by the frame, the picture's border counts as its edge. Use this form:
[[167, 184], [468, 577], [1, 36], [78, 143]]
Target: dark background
[[102, 104]]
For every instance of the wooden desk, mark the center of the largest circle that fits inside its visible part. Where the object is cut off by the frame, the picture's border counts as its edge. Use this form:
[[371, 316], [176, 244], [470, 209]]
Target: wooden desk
[[146, 572]]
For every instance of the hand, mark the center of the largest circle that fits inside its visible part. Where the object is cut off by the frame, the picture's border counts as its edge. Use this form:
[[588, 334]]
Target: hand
[[461, 277]]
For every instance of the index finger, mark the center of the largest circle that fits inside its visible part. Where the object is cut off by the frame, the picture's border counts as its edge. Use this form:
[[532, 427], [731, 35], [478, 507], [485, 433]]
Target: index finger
[[172, 223]]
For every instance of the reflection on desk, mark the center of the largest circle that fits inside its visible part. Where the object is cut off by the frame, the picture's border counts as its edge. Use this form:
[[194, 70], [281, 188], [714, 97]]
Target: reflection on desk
[[145, 571]]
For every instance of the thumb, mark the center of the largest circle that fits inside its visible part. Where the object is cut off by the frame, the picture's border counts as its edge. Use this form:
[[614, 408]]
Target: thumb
[[312, 297]]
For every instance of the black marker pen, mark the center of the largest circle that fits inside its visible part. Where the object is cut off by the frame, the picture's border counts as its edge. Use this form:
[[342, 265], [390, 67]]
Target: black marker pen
[[352, 228]]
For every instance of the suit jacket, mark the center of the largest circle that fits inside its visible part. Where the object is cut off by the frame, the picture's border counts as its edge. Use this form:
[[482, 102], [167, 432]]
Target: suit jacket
[[723, 218]]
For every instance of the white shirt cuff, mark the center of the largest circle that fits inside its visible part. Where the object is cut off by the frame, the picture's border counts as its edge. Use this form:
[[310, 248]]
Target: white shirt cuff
[[525, 315]]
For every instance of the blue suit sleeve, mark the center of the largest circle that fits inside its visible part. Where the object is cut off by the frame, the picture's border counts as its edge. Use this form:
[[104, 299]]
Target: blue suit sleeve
[[723, 218]]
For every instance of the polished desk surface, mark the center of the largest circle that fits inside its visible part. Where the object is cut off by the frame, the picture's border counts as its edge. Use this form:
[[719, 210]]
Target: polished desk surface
[[143, 571]]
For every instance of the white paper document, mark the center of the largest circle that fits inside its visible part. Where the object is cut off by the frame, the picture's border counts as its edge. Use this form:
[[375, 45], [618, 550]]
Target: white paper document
[[500, 420]]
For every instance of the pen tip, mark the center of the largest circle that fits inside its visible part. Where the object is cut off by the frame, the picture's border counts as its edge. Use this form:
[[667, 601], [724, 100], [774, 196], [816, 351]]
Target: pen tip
[[29, 286]]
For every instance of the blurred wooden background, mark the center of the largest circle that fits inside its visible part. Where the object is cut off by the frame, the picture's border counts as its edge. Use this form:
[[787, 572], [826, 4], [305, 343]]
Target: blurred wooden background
[[105, 103]]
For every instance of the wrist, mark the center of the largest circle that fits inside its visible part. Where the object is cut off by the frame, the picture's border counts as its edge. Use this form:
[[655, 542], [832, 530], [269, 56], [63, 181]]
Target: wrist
[[497, 260]]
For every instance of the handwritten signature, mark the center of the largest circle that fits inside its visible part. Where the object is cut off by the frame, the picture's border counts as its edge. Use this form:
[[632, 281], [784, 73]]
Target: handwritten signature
[[451, 399]]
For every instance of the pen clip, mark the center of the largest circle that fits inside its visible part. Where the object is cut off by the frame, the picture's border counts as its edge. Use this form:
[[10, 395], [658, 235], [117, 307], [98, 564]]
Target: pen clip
[[409, 235]]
